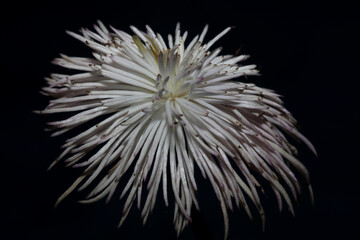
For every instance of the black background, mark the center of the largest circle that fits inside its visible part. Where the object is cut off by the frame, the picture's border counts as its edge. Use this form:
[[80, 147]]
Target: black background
[[306, 52]]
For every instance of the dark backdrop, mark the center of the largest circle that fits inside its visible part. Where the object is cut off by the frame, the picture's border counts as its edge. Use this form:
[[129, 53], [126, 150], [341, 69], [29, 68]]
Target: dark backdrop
[[306, 52]]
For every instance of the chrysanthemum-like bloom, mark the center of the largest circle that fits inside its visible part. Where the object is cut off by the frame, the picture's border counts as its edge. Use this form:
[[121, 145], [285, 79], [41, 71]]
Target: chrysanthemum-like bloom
[[161, 109]]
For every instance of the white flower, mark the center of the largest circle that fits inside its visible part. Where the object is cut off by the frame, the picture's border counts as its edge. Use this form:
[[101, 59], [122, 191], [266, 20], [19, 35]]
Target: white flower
[[161, 105]]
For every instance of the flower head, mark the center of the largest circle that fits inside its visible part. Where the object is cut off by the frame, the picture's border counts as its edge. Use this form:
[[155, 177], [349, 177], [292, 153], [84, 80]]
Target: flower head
[[160, 109]]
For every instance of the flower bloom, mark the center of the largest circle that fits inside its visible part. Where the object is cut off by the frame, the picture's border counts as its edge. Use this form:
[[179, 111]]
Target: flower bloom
[[160, 109]]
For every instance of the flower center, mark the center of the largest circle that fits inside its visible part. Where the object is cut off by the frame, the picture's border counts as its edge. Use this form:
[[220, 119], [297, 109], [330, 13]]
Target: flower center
[[169, 83], [170, 87]]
